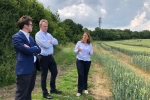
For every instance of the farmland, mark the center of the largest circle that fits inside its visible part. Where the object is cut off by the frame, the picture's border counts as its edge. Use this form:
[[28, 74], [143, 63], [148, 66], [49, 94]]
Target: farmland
[[119, 71], [127, 82]]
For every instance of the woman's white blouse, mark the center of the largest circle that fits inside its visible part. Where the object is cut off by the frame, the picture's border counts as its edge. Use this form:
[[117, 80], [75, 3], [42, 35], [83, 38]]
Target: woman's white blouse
[[84, 54]]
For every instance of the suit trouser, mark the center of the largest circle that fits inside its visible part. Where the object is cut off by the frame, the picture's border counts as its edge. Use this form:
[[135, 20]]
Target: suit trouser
[[83, 69], [25, 84], [48, 63]]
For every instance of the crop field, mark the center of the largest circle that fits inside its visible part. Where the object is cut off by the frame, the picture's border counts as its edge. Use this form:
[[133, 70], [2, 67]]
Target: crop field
[[128, 65], [136, 42], [120, 70]]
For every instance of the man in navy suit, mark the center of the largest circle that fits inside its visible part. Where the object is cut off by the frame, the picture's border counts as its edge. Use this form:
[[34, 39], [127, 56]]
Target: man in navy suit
[[25, 48]]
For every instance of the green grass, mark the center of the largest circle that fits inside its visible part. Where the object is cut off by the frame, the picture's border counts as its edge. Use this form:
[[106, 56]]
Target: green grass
[[67, 81], [136, 42], [126, 85]]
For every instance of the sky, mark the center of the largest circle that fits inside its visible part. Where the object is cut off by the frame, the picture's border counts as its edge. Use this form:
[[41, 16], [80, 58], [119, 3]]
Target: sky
[[106, 14]]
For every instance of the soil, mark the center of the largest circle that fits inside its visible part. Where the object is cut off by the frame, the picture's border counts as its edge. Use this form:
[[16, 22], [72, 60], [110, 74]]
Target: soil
[[101, 86]]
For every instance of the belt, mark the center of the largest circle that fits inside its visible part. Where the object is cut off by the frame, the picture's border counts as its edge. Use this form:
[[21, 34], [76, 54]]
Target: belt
[[46, 55]]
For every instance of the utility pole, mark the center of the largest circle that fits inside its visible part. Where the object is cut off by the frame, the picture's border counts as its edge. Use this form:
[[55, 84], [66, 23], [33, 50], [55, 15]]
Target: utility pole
[[100, 21]]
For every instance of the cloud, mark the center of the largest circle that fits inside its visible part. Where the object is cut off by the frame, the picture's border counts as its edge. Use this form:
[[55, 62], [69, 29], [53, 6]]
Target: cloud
[[82, 14], [142, 20], [146, 5], [138, 20], [74, 11], [143, 26], [139, 23], [103, 12], [123, 14]]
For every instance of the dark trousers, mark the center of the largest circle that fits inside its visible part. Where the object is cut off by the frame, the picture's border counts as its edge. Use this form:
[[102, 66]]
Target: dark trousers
[[48, 63], [25, 85], [83, 69]]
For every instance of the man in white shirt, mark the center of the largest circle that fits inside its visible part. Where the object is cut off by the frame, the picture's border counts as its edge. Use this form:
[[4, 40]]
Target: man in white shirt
[[46, 41]]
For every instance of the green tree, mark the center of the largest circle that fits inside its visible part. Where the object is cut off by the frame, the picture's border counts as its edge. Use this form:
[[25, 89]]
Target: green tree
[[59, 33]]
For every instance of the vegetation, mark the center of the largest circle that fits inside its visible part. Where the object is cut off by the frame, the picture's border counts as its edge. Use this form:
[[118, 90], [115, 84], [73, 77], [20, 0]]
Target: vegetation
[[126, 84], [117, 34], [67, 81], [139, 51], [11, 11], [128, 49]]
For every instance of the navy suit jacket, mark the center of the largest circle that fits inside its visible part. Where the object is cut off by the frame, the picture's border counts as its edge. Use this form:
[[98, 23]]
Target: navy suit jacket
[[25, 58]]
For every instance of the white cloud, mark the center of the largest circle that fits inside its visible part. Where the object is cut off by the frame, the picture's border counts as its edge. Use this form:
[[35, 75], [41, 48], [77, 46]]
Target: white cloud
[[138, 20], [81, 11], [91, 28], [82, 14], [103, 12], [139, 23], [143, 26], [146, 5], [124, 14]]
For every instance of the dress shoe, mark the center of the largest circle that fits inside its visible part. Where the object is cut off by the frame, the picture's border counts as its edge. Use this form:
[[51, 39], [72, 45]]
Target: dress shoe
[[56, 91], [47, 96]]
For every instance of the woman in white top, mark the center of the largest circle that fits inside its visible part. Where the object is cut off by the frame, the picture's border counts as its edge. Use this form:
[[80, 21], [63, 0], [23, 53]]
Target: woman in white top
[[83, 50]]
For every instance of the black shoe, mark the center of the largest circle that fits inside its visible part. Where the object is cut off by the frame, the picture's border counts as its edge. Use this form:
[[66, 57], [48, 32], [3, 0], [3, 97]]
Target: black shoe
[[47, 96], [56, 91]]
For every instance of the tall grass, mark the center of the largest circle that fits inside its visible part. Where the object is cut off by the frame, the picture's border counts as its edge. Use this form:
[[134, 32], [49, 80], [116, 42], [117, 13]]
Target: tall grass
[[139, 58], [126, 85], [142, 62]]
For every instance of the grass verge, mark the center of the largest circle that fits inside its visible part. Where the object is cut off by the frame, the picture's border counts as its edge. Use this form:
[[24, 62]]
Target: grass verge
[[67, 77]]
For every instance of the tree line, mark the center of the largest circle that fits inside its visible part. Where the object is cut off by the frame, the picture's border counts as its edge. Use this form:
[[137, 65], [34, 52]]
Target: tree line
[[65, 31], [11, 10], [118, 34]]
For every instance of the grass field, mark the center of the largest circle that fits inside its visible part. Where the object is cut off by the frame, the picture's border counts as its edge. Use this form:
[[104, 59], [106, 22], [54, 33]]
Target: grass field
[[67, 78], [114, 75], [136, 42]]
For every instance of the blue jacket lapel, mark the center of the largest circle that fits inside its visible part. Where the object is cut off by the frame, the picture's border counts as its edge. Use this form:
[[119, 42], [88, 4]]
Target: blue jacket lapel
[[24, 37], [31, 41]]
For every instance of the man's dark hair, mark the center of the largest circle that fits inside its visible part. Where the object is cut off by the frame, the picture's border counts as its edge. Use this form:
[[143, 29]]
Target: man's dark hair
[[24, 20]]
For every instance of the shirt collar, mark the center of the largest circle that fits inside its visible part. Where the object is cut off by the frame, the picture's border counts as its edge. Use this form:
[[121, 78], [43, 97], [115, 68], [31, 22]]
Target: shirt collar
[[43, 32], [25, 33]]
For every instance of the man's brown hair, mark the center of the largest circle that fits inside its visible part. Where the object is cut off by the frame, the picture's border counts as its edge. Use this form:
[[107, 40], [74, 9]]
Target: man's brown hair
[[24, 20]]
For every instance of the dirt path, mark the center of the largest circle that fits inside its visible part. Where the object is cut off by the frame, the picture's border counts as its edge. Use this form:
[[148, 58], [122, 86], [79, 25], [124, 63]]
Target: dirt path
[[101, 85], [100, 88]]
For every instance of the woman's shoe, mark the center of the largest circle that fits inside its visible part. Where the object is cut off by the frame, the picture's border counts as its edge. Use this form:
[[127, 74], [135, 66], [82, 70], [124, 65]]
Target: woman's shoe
[[86, 92], [78, 94]]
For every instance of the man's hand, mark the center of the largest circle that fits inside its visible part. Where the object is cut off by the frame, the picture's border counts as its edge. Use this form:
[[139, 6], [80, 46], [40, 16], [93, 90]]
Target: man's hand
[[25, 45], [50, 41]]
